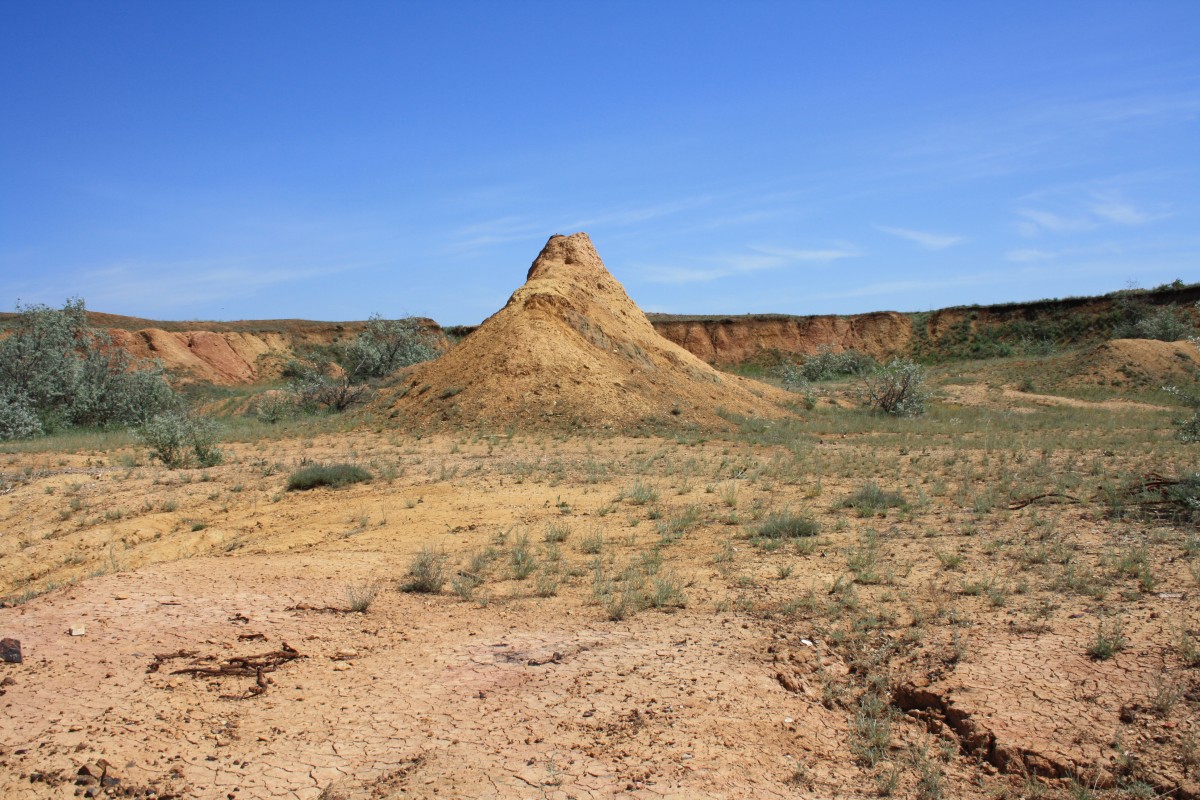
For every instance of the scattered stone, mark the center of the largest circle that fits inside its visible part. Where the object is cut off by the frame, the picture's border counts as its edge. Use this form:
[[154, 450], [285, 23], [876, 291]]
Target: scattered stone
[[10, 651], [78, 630]]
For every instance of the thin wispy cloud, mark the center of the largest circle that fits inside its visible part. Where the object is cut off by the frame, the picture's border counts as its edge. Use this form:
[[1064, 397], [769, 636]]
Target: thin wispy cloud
[[1033, 222], [757, 258], [1111, 206], [926, 239], [503, 230], [1028, 255], [1101, 208], [170, 285]]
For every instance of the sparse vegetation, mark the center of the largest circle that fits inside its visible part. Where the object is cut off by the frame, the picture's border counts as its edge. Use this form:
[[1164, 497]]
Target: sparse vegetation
[[426, 572], [788, 525], [331, 475]]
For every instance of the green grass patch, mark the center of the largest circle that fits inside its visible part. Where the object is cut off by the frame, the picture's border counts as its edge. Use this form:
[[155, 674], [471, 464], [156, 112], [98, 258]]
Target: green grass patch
[[333, 475], [788, 525]]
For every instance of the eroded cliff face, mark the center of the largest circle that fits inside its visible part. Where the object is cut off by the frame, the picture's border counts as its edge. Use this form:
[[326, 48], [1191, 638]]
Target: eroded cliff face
[[226, 358], [228, 353], [733, 340]]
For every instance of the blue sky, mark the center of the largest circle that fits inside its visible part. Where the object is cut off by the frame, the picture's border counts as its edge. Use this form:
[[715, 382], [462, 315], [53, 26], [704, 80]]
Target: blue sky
[[242, 160]]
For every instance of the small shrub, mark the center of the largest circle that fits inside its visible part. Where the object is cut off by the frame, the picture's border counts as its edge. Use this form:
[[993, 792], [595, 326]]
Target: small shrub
[[1188, 428], [179, 439], [56, 367], [522, 558], [273, 407], [827, 365], [385, 346], [1110, 640], [793, 380], [319, 391], [547, 583], [557, 532], [333, 475], [871, 499], [642, 493], [592, 544], [666, 591], [426, 572], [361, 595], [788, 525], [1165, 324], [898, 388]]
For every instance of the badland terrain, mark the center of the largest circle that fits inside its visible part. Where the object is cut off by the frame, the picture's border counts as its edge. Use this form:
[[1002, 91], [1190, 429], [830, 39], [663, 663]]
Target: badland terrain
[[585, 552]]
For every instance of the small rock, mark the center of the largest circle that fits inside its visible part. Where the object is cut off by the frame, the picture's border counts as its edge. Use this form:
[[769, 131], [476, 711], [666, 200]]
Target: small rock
[[341, 666], [78, 630], [10, 651]]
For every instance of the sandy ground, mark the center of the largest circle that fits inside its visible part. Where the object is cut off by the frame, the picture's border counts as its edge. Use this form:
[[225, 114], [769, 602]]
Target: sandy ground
[[757, 676]]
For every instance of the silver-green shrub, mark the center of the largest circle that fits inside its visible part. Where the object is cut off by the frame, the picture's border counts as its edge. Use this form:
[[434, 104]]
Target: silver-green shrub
[[1165, 324], [179, 439], [896, 388], [385, 346], [825, 364], [65, 373]]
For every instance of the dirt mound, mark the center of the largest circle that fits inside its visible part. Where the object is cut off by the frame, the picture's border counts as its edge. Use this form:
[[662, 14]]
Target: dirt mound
[[1136, 363], [571, 349]]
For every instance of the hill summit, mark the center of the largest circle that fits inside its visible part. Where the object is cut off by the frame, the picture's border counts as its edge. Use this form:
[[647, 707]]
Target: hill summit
[[570, 348]]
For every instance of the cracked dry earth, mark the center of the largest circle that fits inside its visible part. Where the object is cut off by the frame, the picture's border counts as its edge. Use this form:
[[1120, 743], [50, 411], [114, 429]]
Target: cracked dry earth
[[760, 684], [451, 701]]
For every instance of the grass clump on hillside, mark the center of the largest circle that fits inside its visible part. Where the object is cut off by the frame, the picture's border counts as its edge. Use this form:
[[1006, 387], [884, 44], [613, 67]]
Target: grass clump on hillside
[[333, 475]]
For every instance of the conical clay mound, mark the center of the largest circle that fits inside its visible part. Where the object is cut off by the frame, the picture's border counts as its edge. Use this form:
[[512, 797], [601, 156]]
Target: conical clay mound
[[570, 349]]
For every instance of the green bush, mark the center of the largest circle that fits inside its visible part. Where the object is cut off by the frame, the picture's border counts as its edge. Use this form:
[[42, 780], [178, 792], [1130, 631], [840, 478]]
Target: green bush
[[385, 346], [897, 388], [18, 420], [788, 525], [827, 365], [793, 380], [1166, 325], [179, 439], [317, 390], [58, 369], [334, 475], [274, 406], [870, 499]]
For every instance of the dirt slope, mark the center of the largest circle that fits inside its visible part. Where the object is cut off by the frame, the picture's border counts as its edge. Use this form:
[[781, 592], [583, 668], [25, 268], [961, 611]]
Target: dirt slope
[[1136, 363], [571, 348]]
